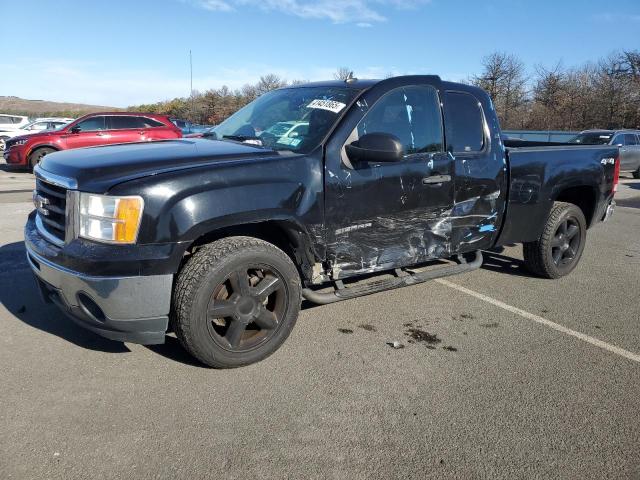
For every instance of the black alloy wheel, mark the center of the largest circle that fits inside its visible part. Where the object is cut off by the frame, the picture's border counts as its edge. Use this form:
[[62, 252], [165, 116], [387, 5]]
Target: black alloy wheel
[[566, 242], [235, 301], [246, 309]]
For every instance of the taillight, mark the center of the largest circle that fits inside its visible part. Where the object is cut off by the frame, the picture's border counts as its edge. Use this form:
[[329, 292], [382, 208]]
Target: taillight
[[616, 174]]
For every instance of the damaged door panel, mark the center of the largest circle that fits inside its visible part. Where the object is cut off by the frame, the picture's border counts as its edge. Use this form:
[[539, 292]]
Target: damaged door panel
[[382, 215], [433, 203], [480, 171]]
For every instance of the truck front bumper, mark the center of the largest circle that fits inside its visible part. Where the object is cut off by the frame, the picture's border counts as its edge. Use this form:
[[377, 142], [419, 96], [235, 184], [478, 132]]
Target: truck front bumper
[[127, 309]]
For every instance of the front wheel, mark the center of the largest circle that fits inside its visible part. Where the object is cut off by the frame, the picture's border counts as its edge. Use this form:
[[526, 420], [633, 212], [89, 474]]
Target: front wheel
[[37, 155], [235, 301], [558, 250]]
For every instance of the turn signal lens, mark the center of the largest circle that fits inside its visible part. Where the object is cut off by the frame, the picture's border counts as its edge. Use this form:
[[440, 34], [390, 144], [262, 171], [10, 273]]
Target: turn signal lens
[[128, 212]]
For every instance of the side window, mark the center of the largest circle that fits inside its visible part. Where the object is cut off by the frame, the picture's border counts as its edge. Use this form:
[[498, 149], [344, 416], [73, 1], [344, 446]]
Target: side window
[[91, 124], [464, 123], [618, 140], [629, 139], [150, 123], [410, 113], [124, 122]]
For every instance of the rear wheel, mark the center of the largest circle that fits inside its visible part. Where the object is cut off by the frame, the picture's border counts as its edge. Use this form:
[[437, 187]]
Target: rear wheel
[[558, 250], [235, 301], [38, 154]]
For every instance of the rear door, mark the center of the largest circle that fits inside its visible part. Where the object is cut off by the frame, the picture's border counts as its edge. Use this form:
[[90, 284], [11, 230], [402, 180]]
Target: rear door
[[480, 169], [126, 128], [386, 215]]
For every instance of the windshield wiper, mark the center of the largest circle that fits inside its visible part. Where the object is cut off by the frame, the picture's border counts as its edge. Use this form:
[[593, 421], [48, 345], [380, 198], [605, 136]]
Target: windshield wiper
[[244, 138]]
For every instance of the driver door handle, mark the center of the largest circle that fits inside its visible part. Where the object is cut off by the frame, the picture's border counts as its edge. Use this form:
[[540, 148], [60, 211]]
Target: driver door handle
[[433, 179]]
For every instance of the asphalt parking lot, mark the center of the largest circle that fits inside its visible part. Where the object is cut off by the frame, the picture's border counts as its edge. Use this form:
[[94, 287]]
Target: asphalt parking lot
[[511, 377]]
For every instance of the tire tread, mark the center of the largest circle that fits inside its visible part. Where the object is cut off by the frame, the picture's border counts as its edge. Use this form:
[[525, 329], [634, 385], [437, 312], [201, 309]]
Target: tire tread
[[189, 278], [535, 257]]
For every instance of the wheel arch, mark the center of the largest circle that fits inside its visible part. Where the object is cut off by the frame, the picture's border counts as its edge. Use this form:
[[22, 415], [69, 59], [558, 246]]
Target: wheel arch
[[284, 234], [42, 145], [583, 196]]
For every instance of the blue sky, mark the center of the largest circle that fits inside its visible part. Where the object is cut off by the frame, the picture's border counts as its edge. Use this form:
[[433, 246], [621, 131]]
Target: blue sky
[[122, 52]]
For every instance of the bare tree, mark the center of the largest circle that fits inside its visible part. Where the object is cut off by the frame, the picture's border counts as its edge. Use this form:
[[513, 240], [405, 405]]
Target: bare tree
[[503, 78], [269, 82], [605, 93], [342, 73]]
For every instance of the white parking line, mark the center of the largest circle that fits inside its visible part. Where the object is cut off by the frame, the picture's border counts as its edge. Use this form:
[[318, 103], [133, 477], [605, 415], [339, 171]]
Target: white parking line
[[543, 321]]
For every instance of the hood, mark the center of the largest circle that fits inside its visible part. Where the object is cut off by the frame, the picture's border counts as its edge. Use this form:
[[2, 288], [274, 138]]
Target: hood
[[28, 136], [97, 169]]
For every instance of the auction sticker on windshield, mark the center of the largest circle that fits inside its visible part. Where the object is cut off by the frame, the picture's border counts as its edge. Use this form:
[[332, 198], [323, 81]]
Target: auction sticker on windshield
[[330, 105]]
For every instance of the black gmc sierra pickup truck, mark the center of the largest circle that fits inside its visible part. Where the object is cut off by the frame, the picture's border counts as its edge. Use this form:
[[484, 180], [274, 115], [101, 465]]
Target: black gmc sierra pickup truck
[[324, 191]]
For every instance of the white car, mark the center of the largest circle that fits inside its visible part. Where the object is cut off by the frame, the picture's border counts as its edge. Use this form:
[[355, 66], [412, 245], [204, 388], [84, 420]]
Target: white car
[[12, 122], [37, 125]]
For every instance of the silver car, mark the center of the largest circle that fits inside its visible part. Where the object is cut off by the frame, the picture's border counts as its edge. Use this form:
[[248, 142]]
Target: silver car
[[628, 142]]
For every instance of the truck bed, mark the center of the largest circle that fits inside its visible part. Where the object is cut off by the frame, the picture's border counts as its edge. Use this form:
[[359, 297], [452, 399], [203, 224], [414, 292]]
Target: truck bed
[[538, 171]]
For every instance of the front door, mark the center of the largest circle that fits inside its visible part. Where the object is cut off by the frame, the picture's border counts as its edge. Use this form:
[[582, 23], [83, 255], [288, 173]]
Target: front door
[[88, 133], [386, 215]]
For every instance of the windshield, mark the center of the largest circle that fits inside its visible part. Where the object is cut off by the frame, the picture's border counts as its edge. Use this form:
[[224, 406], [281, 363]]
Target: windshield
[[28, 126], [592, 138], [294, 119]]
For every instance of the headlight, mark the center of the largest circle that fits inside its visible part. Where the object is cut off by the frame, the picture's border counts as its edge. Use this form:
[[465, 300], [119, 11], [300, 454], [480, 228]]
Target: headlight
[[110, 219], [19, 142]]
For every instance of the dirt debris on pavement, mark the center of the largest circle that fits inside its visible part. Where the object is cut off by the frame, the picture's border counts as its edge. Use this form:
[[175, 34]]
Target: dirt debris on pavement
[[418, 335], [345, 330]]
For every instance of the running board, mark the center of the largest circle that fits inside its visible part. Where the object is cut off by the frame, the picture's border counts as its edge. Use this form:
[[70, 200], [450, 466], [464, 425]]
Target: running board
[[402, 279]]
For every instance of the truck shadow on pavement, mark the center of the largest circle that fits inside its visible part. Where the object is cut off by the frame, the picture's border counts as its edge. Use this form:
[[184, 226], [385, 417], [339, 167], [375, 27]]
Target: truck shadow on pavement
[[19, 294], [172, 349], [495, 262]]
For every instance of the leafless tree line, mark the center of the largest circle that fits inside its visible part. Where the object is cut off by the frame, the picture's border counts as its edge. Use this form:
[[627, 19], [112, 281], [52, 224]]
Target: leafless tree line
[[604, 94]]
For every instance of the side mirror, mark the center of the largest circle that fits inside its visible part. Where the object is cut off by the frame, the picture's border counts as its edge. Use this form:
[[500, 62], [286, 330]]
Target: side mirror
[[619, 145], [375, 147], [75, 129]]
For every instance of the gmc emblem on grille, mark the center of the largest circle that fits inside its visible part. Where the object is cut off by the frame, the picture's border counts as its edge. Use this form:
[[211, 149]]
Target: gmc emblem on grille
[[40, 203]]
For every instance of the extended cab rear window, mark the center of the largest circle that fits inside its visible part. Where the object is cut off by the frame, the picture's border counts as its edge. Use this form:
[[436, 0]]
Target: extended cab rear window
[[464, 123]]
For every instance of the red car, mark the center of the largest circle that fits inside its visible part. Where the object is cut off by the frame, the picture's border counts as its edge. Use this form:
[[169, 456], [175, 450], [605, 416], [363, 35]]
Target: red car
[[89, 131]]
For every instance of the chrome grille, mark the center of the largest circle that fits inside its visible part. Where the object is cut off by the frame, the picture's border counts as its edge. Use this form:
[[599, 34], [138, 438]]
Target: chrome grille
[[51, 203]]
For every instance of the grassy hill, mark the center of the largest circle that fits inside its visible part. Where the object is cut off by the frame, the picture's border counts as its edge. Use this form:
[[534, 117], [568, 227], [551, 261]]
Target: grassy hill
[[42, 108]]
